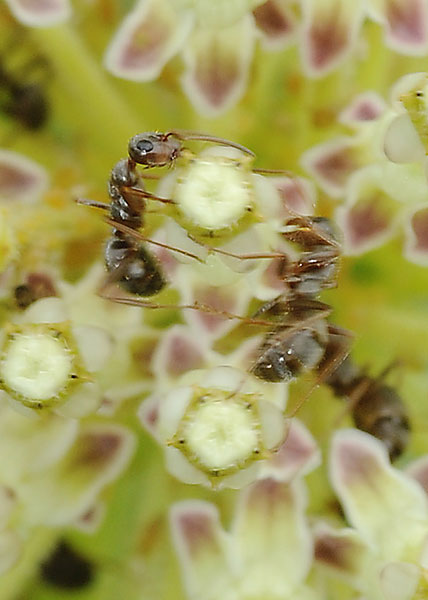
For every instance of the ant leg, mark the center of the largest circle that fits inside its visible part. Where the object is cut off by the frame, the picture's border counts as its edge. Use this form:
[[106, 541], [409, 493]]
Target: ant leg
[[138, 236], [262, 171], [205, 308], [212, 250], [204, 137], [144, 175], [308, 311], [146, 195], [93, 203], [330, 364]]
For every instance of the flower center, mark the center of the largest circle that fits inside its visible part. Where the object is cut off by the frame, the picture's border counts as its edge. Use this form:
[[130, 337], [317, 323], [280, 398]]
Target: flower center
[[214, 192], [221, 432], [36, 365]]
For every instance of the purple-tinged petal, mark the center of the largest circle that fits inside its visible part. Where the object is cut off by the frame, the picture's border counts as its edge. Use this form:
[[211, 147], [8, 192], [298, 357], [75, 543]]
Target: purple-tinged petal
[[341, 551], [402, 143], [201, 547], [405, 22], [217, 65], [178, 352], [298, 455], [40, 13], [399, 580], [91, 519], [20, 178], [368, 218], [297, 195], [330, 30], [388, 508], [148, 413], [60, 495], [366, 107], [272, 538], [416, 234], [276, 22], [148, 37], [332, 163], [224, 298]]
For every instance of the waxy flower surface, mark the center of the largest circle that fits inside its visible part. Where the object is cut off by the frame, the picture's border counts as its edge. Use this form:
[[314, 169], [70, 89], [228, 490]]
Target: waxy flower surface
[[186, 335]]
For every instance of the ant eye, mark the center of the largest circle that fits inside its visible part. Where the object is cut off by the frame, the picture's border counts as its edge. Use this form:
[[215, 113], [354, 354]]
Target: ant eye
[[144, 146]]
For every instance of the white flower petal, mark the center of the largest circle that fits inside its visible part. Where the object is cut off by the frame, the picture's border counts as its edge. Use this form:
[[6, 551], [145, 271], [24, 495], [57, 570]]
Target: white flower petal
[[21, 179], [329, 33], [388, 508], [40, 13], [402, 143], [399, 581], [148, 37], [217, 64], [202, 550]]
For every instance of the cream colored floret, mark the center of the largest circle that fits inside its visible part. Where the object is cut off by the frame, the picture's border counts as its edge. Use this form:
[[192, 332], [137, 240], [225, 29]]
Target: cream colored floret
[[221, 434], [214, 193], [36, 366]]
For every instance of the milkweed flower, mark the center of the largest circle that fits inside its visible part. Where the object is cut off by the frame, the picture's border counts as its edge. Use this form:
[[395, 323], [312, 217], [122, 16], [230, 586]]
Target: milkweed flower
[[383, 552], [217, 42], [378, 171], [267, 551], [138, 448]]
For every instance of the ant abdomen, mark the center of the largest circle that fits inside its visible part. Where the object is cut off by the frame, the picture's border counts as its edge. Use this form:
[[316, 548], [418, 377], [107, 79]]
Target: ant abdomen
[[381, 412], [287, 355], [140, 272]]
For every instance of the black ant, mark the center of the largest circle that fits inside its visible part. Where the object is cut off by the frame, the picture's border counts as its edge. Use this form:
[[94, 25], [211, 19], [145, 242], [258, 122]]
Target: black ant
[[299, 342], [375, 406], [128, 261]]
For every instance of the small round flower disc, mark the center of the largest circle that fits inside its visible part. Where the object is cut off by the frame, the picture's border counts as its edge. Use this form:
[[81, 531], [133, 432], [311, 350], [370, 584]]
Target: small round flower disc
[[221, 434], [213, 193], [37, 366]]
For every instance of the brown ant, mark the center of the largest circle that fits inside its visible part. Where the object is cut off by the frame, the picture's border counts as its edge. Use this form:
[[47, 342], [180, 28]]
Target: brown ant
[[299, 341], [128, 261], [375, 406], [309, 342]]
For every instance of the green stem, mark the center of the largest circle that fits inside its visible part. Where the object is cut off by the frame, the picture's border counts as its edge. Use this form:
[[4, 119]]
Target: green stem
[[102, 116]]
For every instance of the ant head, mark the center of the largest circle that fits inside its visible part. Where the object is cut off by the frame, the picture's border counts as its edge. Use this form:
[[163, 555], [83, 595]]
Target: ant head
[[153, 149]]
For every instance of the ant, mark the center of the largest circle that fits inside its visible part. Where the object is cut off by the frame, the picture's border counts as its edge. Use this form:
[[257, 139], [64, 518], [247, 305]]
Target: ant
[[309, 342], [127, 260], [299, 342], [375, 406]]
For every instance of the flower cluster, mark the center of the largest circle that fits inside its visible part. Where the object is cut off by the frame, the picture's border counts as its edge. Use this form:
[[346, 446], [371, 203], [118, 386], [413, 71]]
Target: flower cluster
[[149, 441]]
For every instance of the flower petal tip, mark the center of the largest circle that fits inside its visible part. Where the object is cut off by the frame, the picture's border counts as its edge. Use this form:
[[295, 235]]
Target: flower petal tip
[[40, 13]]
